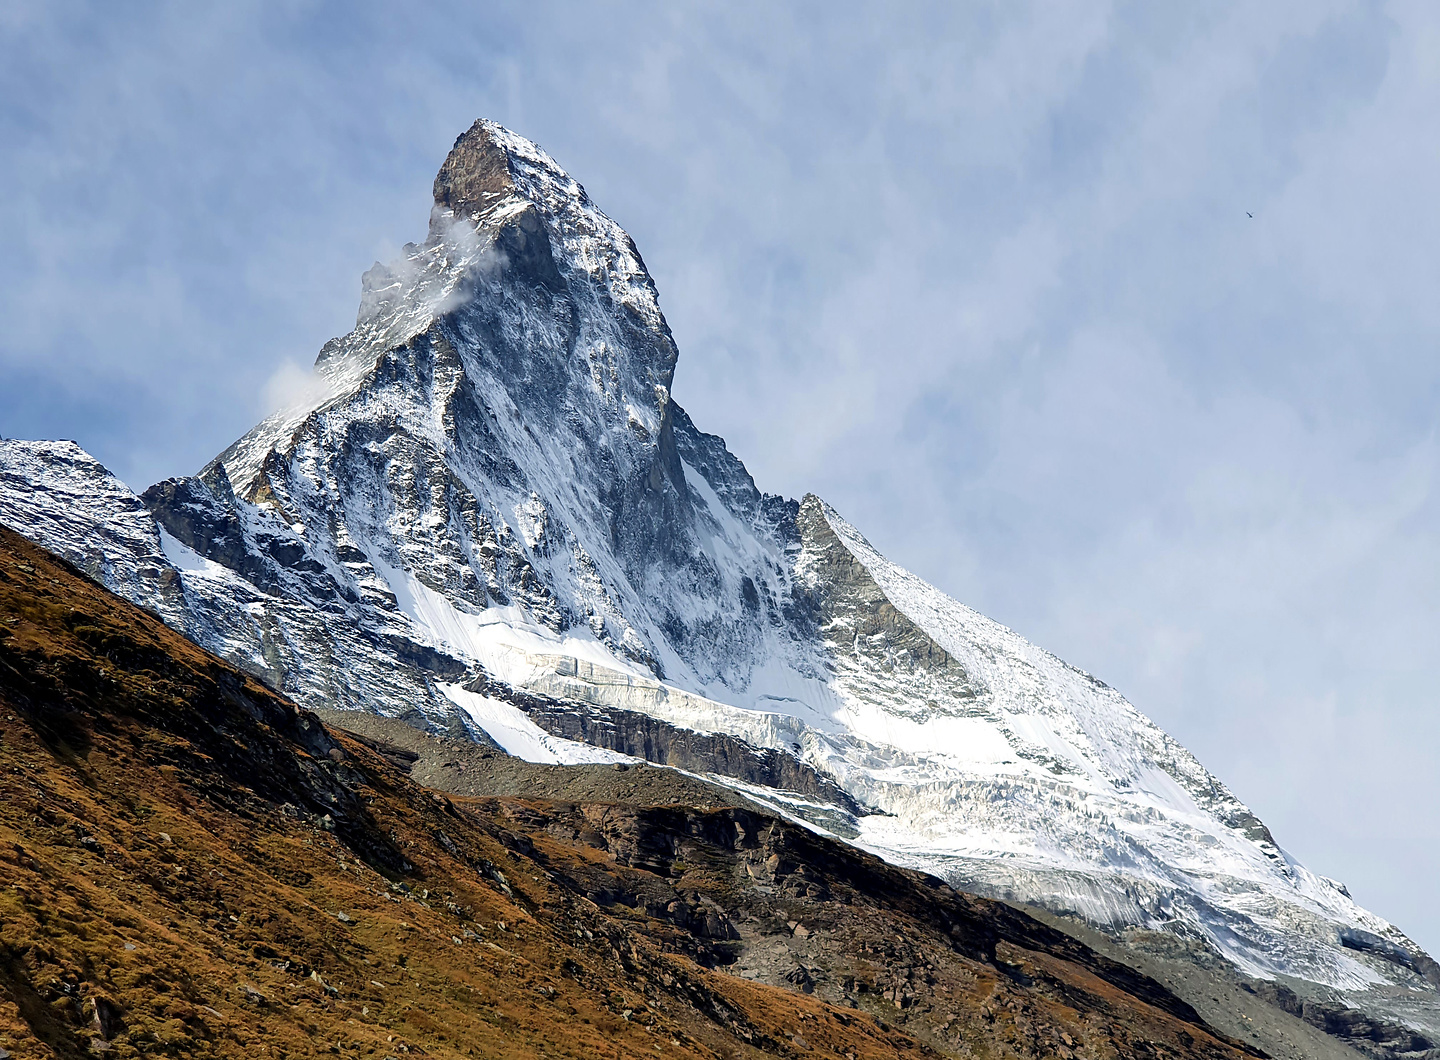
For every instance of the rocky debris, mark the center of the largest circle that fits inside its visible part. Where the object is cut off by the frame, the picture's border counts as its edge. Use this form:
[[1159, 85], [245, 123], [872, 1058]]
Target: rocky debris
[[695, 862], [1364, 1033], [1385, 949]]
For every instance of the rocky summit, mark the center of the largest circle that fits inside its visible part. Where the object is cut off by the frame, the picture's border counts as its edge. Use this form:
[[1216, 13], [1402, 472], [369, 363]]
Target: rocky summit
[[494, 522]]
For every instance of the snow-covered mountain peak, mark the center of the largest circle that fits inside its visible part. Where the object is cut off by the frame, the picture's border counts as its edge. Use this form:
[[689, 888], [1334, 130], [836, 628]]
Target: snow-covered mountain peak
[[525, 283], [494, 518], [499, 180]]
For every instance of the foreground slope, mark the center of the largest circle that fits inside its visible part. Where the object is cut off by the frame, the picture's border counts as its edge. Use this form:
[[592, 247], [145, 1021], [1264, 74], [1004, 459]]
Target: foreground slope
[[195, 867], [497, 521]]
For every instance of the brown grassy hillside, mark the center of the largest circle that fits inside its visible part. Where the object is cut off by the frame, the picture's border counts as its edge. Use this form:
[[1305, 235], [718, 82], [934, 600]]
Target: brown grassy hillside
[[190, 866]]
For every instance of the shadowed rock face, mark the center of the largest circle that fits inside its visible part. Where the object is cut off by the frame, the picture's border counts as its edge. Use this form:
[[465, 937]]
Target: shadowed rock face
[[475, 177], [867, 636], [1365, 1034]]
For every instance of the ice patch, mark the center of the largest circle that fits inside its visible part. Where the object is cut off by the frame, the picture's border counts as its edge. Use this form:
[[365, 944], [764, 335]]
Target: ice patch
[[512, 729], [502, 639], [184, 558]]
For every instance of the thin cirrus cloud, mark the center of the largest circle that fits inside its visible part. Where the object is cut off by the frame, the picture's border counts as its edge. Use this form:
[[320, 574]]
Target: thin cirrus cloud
[[980, 275]]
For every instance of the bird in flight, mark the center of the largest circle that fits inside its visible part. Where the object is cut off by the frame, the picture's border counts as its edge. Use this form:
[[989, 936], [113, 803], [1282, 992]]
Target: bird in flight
[[1249, 215]]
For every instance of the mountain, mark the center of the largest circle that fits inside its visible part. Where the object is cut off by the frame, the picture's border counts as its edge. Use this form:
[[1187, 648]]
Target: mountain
[[193, 866], [495, 521]]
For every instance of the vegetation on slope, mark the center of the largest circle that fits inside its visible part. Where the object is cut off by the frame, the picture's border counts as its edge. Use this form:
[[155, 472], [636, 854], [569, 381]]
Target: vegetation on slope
[[190, 866]]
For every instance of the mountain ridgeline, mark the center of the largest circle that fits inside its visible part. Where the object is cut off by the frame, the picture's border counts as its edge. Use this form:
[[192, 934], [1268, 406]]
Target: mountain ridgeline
[[496, 523]]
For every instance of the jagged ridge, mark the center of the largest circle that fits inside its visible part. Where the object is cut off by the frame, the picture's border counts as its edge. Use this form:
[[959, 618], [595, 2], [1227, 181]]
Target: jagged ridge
[[498, 481]]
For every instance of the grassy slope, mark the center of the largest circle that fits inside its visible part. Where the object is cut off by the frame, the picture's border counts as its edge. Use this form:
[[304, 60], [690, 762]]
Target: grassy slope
[[178, 845]]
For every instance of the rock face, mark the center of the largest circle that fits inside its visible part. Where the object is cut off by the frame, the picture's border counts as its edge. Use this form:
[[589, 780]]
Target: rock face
[[639, 735], [497, 521], [57, 494]]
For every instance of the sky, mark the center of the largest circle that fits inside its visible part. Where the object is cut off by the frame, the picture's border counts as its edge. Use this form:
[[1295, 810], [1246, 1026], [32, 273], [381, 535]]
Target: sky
[[1119, 322]]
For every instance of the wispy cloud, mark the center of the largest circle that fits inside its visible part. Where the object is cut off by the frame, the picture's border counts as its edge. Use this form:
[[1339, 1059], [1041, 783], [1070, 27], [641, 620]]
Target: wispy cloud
[[291, 387], [981, 275]]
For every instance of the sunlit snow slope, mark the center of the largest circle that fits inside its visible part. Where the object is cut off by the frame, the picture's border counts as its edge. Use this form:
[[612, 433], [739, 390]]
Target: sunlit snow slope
[[495, 518]]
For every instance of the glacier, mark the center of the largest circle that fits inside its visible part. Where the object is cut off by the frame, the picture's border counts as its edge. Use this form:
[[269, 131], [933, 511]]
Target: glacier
[[493, 518]]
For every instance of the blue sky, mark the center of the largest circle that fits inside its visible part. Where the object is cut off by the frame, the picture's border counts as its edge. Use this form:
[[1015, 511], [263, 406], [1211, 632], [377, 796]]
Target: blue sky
[[981, 275]]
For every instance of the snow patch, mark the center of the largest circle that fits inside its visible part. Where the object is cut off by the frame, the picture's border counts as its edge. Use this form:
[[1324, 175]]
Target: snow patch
[[512, 729]]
